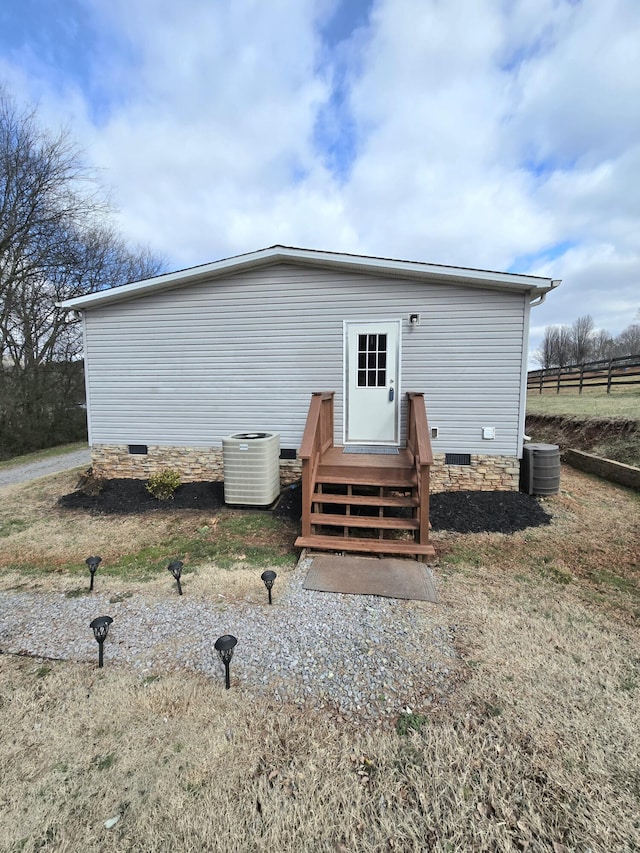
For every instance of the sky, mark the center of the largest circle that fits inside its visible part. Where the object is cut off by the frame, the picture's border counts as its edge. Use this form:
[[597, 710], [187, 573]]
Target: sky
[[494, 134]]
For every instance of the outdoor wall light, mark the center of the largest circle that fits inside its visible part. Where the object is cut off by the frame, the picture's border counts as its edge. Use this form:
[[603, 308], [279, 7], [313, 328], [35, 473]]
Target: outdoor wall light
[[100, 630], [224, 646], [93, 563], [414, 320], [175, 567], [268, 577]]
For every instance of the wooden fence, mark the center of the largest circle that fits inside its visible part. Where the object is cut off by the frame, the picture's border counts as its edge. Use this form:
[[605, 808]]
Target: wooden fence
[[624, 370]]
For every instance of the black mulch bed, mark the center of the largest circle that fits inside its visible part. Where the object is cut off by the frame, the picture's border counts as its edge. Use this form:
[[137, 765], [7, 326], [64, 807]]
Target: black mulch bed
[[461, 512], [130, 497], [485, 512], [290, 504]]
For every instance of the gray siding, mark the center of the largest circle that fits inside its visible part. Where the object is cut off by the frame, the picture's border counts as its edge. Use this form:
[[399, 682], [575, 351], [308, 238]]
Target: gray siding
[[190, 365]]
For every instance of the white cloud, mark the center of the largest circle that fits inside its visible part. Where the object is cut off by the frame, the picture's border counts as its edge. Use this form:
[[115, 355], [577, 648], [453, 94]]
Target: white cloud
[[220, 125], [602, 282], [436, 169], [577, 95]]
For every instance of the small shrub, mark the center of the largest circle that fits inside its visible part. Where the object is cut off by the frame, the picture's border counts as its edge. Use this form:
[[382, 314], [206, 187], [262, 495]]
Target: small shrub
[[90, 484], [163, 484]]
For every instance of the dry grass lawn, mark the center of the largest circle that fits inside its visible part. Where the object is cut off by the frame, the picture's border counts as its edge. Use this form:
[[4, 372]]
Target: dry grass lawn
[[33, 531], [536, 749], [622, 402]]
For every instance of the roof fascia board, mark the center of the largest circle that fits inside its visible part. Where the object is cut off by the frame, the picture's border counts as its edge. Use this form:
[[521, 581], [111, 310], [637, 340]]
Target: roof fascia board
[[357, 263]]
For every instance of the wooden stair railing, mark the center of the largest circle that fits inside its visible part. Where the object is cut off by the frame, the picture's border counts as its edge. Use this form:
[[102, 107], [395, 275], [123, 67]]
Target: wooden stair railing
[[419, 443], [316, 439], [347, 499]]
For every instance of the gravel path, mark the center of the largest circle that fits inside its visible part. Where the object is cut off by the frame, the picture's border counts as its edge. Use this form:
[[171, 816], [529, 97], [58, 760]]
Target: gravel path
[[364, 656], [52, 465]]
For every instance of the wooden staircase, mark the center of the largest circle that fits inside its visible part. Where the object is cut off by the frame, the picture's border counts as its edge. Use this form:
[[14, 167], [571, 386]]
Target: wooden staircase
[[360, 502]]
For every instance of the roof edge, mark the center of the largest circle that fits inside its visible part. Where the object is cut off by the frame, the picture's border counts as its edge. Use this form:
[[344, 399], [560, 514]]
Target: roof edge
[[536, 285]]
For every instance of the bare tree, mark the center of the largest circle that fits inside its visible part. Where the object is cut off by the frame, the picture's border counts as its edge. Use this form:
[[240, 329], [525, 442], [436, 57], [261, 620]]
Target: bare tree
[[55, 243], [563, 346], [581, 333], [602, 345], [545, 353], [575, 344], [556, 347], [628, 341]]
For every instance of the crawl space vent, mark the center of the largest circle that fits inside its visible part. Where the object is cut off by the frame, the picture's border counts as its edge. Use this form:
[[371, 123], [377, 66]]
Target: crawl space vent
[[138, 449], [457, 458]]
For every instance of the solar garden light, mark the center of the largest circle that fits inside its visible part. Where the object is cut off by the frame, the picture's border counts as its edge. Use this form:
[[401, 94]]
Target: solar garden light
[[175, 567], [93, 563], [268, 577], [100, 630], [224, 646]]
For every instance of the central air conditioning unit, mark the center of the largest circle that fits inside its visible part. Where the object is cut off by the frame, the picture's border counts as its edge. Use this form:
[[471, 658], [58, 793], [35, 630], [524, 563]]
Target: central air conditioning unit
[[251, 468]]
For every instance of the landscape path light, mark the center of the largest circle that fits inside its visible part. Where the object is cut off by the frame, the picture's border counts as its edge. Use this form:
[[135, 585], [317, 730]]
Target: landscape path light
[[269, 577], [93, 563], [100, 627], [224, 646], [175, 567]]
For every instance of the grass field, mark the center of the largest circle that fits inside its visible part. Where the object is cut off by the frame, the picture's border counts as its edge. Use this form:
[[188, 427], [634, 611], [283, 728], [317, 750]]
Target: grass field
[[592, 403], [535, 749]]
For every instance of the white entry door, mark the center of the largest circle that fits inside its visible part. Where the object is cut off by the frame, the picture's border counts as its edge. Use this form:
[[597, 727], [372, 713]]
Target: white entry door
[[372, 390]]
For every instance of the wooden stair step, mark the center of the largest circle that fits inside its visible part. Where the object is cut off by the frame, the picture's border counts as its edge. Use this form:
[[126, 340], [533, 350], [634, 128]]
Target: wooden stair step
[[369, 521], [389, 477], [371, 546], [365, 500]]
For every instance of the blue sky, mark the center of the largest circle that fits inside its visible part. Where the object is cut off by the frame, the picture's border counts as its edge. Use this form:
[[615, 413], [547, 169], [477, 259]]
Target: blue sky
[[499, 134]]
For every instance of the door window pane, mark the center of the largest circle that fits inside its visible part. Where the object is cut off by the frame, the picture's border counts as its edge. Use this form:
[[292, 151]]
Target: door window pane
[[372, 361]]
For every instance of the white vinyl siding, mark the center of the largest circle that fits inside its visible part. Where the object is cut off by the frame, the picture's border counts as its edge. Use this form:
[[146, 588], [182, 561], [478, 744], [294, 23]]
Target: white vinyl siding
[[191, 365]]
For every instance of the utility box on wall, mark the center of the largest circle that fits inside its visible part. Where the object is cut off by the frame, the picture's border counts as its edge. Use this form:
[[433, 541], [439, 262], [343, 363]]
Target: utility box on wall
[[251, 468]]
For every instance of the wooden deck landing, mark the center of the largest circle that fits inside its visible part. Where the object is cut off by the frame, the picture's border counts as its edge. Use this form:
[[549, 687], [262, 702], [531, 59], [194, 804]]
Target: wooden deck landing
[[387, 469]]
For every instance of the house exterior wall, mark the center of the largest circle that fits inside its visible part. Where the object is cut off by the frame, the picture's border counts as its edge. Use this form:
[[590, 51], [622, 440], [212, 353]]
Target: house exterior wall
[[186, 367]]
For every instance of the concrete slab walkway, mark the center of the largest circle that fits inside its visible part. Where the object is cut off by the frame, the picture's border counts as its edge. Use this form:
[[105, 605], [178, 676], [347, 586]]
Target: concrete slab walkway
[[391, 577]]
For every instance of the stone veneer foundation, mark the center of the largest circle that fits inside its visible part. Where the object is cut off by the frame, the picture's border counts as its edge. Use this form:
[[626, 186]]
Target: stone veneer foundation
[[194, 464], [485, 473]]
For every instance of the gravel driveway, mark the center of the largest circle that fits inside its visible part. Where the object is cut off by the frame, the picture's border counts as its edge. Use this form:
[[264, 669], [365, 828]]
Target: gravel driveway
[[52, 465]]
